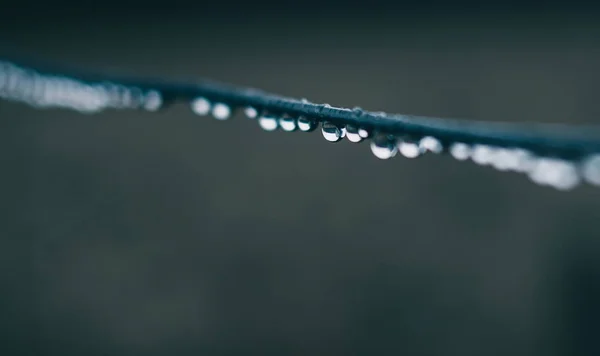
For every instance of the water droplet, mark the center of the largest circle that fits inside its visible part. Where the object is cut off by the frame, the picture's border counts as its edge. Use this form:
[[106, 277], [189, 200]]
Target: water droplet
[[460, 151], [306, 125], [153, 100], [590, 169], [430, 144], [384, 146], [556, 173], [268, 123], [251, 112], [409, 148], [221, 111], [482, 154], [331, 132], [363, 133], [353, 134], [201, 106], [287, 123]]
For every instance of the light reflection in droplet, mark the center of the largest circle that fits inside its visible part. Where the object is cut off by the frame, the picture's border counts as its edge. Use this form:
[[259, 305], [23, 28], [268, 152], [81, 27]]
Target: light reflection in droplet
[[306, 125], [590, 169], [287, 123], [352, 133], [331, 132], [409, 148], [383, 146], [221, 111], [460, 151], [201, 106], [268, 123], [430, 144]]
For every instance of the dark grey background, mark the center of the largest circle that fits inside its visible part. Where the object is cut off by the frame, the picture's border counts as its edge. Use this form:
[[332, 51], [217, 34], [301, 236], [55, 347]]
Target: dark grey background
[[133, 233]]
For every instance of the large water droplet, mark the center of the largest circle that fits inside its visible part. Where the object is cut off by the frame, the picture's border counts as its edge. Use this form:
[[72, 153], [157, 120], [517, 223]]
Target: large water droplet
[[409, 148], [590, 169], [384, 146], [221, 111], [353, 133], [331, 132], [306, 125], [251, 112], [287, 123], [430, 144], [268, 123], [201, 106], [460, 151]]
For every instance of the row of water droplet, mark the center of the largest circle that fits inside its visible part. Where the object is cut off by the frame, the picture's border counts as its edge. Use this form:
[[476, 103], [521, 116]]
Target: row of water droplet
[[548, 171], [46, 91]]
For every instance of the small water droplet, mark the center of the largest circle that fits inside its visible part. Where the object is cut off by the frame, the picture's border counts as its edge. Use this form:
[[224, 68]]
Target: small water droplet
[[363, 133], [353, 133], [331, 132], [590, 169], [483, 154], [460, 151], [221, 111], [251, 112], [384, 146], [431, 144], [201, 106], [268, 123], [306, 125], [287, 123], [409, 148]]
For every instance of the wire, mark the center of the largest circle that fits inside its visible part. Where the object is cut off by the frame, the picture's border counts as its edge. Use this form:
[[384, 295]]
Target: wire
[[550, 154]]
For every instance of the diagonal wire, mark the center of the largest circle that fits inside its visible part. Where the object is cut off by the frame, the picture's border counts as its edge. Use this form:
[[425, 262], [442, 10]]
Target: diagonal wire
[[551, 154]]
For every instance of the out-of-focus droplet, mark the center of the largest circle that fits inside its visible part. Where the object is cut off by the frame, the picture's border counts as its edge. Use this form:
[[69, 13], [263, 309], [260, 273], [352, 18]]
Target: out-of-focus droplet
[[221, 111], [201, 106], [384, 146], [460, 151], [287, 123], [306, 125], [556, 173], [483, 154], [153, 100], [430, 144], [251, 112], [268, 122], [331, 132], [409, 148], [590, 169], [352, 133]]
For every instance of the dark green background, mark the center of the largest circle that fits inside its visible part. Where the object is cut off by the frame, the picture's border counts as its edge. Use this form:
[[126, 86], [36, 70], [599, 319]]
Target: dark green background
[[163, 234]]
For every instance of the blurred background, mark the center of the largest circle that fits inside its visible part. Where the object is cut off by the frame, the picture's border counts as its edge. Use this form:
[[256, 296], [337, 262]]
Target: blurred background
[[128, 233]]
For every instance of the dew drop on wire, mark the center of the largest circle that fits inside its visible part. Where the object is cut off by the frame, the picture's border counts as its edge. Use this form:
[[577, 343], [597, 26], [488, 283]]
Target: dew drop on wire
[[221, 111], [201, 106], [384, 146], [251, 112], [153, 100], [430, 144], [556, 173], [287, 123], [268, 122], [409, 148], [590, 169], [483, 154], [306, 125], [364, 133], [331, 132], [460, 151], [353, 134]]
